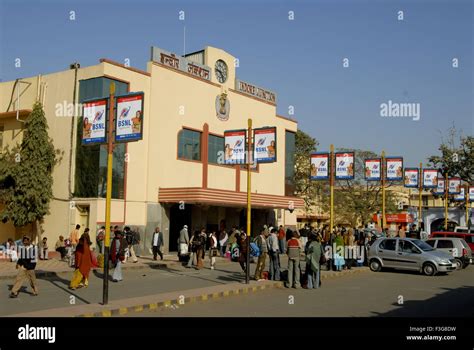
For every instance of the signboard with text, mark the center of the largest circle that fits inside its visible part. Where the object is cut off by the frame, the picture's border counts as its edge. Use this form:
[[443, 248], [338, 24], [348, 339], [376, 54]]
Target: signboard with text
[[394, 168], [265, 145], [234, 147], [461, 196], [454, 185], [319, 166], [129, 120], [439, 190], [372, 169], [94, 122], [471, 193], [411, 177], [430, 178], [344, 165]]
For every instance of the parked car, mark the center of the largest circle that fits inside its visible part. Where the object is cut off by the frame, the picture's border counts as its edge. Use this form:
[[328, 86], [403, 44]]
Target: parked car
[[457, 247], [464, 229], [468, 237], [409, 254]]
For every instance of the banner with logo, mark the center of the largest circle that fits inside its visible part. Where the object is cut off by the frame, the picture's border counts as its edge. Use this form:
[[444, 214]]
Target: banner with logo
[[454, 185], [439, 190], [344, 165], [319, 166], [461, 196], [234, 147], [430, 178], [372, 169], [94, 122], [411, 177], [129, 120], [394, 168], [265, 145], [471, 193]]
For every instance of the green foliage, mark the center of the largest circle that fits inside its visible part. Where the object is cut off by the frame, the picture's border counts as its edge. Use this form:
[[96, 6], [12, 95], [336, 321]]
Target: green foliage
[[29, 166]]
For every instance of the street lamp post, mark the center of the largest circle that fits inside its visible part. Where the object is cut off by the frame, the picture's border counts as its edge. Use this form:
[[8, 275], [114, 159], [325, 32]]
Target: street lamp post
[[249, 203]]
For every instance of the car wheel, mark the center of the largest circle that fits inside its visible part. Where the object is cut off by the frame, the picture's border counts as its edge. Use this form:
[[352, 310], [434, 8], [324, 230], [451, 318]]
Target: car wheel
[[459, 264], [429, 269], [375, 265]]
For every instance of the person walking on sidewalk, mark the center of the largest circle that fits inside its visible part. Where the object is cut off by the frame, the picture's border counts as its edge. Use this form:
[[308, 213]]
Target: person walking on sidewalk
[[83, 261], [157, 242], [223, 237], [294, 253], [213, 249], [313, 258], [99, 240], [117, 255], [26, 265], [241, 237], [133, 238], [274, 252], [281, 239], [262, 245], [193, 243], [183, 242]]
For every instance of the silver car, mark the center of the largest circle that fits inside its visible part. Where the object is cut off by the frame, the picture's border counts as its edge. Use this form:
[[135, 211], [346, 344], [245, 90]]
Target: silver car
[[456, 247], [409, 254]]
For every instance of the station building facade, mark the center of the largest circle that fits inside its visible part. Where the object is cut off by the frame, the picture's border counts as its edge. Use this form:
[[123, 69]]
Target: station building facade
[[173, 176]]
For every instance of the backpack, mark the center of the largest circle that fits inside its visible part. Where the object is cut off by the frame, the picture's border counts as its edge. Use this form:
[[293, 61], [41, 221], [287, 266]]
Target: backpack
[[254, 250]]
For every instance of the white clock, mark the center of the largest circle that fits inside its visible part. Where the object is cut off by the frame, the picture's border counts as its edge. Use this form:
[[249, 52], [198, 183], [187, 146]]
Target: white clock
[[221, 71]]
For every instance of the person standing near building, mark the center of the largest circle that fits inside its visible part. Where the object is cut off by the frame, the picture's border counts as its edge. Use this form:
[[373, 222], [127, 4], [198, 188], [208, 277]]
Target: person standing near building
[[100, 240], [263, 246], [25, 265], [223, 237], [43, 249], [241, 238], [83, 261], [157, 242], [274, 253], [281, 239], [117, 255], [313, 258], [401, 232], [60, 247], [183, 241], [294, 253], [212, 249], [74, 236]]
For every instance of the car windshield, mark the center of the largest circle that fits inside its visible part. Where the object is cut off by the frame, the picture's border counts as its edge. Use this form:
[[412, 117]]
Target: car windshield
[[422, 245]]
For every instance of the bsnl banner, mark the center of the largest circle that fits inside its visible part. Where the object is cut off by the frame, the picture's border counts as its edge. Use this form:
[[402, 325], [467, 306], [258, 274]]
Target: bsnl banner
[[372, 169], [319, 166], [234, 149], [430, 178], [411, 177], [94, 122], [394, 168], [265, 145], [344, 165], [129, 121]]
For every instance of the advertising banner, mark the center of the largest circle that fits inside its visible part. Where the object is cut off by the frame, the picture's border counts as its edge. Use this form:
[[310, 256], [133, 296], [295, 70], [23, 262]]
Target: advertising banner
[[454, 185], [344, 165], [319, 166], [460, 197], [430, 178], [372, 169], [411, 177], [129, 121], [234, 147], [471, 193], [394, 168], [439, 190], [265, 145], [94, 122]]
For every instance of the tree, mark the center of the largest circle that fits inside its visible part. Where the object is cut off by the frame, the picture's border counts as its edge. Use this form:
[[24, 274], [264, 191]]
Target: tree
[[29, 166], [457, 157]]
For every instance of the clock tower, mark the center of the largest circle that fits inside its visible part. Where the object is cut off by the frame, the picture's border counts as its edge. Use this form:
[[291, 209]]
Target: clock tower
[[222, 65]]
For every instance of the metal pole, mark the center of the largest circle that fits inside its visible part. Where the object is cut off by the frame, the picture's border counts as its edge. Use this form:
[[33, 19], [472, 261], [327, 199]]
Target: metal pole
[[466, 197], [420, 189], [383, 190], [446, 187], [331, 186], [110, 150], [249, 203]]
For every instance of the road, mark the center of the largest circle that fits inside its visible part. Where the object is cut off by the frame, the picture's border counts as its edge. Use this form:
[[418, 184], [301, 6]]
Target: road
[[360, 295]]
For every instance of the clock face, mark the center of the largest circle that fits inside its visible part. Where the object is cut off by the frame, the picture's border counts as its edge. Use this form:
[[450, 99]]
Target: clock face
[[221, 71]]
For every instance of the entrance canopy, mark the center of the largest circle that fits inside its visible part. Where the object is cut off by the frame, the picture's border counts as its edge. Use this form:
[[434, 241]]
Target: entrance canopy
[[195, 195]]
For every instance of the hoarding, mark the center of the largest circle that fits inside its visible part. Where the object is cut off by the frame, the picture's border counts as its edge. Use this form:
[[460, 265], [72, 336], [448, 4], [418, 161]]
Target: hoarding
[[372, 169], [94, 122], [471, 193], [439, 190], [265, 145], [394, 168], [411, 177], [234, 147], [129, 120], [319, 166], [461, 196], [454, 185], [344, 165], [430, 178]]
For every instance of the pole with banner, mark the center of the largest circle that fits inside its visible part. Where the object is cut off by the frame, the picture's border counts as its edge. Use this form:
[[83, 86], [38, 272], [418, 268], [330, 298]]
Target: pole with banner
[[249, 208], [383, 173], [446, 198], [110, 150], [331, 187], [466, 196], [420, 190]]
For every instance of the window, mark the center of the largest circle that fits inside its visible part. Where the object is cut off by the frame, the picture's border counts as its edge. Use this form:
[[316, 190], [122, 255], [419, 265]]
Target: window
[[425, 200], [388, 244], [189, 144], [407, 247], [290, 148], [431, 242], [443, 243], [216, 149]]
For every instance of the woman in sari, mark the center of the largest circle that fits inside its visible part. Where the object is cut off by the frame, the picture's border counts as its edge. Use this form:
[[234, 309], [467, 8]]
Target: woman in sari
[[83, 263]]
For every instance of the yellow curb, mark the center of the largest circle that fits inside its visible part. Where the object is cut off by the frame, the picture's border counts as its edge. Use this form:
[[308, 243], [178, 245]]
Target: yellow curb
[[246, 290], [254, 289], [192, 299], [226, 293], [215, 295], [106, 313], [138, 308], [167, 303], [236, 291], [204, 297], [153, 306], [123, 311]]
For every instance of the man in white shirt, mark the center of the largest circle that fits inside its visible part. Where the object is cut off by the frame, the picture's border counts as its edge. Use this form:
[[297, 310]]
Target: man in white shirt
[[274, 252], [157, 243]]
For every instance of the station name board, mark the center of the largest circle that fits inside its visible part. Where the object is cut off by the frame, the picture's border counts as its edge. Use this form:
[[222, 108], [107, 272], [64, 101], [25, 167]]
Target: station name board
[[255, 91]]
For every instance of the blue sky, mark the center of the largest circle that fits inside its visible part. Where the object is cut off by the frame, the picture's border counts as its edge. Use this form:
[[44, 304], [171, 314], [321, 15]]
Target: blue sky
[[301, 60]]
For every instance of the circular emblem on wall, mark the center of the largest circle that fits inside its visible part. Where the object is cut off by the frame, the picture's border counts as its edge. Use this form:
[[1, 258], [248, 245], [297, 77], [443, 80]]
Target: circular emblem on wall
[[222, 107]]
